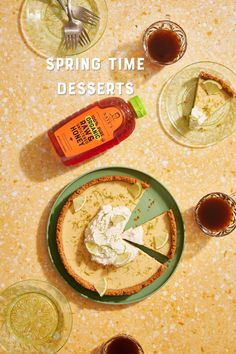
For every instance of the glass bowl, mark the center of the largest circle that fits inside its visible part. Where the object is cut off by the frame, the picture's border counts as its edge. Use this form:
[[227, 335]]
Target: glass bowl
[[106, 346], [35, 317], [42, 23], [168, 26], [232, 225]]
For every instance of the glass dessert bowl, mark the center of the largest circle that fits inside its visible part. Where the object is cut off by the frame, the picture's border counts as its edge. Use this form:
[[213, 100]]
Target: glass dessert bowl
[[164, 42]]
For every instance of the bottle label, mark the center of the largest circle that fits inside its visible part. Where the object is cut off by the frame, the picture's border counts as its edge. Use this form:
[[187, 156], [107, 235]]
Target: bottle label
[[88, 130]]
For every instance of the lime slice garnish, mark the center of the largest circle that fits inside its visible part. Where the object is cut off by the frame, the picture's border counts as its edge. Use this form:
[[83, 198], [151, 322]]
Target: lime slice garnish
[[97, 250], [93, 248], [116, 219], [33, 317], [122, 259], [101, 286], [160, 240], [211, 87], [135, 190], [79, 202]]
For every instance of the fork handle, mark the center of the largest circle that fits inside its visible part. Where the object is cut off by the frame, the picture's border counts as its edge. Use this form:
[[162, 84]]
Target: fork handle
[[69, 12], [61, 2]]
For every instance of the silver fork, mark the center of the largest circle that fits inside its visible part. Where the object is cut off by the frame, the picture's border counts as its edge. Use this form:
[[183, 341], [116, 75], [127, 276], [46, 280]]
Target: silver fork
[[74, 31], [85, 15], [82, 14]]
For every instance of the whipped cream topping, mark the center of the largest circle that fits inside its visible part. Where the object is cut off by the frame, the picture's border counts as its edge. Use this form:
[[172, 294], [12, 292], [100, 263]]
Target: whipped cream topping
[[104, 236], [197, 118]]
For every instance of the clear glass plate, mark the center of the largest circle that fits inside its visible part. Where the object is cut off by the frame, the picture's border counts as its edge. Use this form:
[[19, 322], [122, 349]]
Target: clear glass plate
[[176, 101], [42, 23], [35, 317]]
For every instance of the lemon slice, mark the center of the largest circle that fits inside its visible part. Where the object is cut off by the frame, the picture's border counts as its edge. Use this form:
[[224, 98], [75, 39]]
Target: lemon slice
[[211, 87], [101, 286], [122, 259], [135, 190], [160, 240], [33, 317], [78, 203]]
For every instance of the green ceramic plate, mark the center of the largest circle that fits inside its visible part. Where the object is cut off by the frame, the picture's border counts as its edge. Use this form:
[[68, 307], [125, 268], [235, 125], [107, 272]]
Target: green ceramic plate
[[159, 192], [42, 23], [176, 101]]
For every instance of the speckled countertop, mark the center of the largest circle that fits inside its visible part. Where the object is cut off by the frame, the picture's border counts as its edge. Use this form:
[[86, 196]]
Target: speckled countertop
[[196, 311]]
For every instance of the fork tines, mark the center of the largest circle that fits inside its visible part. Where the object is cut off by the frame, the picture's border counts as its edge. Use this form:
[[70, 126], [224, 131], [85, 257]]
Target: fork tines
[[72, 40], [84, 38], [88, 16]]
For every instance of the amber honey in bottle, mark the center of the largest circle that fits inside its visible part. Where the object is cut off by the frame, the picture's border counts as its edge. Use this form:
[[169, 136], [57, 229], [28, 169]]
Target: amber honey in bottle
[[95, 129]]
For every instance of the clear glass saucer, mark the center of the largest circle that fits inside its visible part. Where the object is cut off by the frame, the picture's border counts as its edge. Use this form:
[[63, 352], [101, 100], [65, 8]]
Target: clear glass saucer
[[42, 23], [176, 101], [35, 317]]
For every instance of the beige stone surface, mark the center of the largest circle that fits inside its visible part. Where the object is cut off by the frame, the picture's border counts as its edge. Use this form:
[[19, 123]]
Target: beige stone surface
[[196, 311]]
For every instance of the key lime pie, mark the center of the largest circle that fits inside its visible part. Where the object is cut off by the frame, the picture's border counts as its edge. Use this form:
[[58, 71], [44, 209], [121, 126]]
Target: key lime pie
[[91, 241], [212, 95]]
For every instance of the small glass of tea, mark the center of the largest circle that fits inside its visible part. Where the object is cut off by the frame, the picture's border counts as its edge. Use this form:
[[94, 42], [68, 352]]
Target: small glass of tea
[[122, 344], [215, 213], [164, 42]]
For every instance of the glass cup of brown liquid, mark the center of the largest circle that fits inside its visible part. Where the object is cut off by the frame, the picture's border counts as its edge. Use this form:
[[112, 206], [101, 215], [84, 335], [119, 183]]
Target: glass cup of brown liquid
[[164, 42], [121, 344], [215, 213]]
